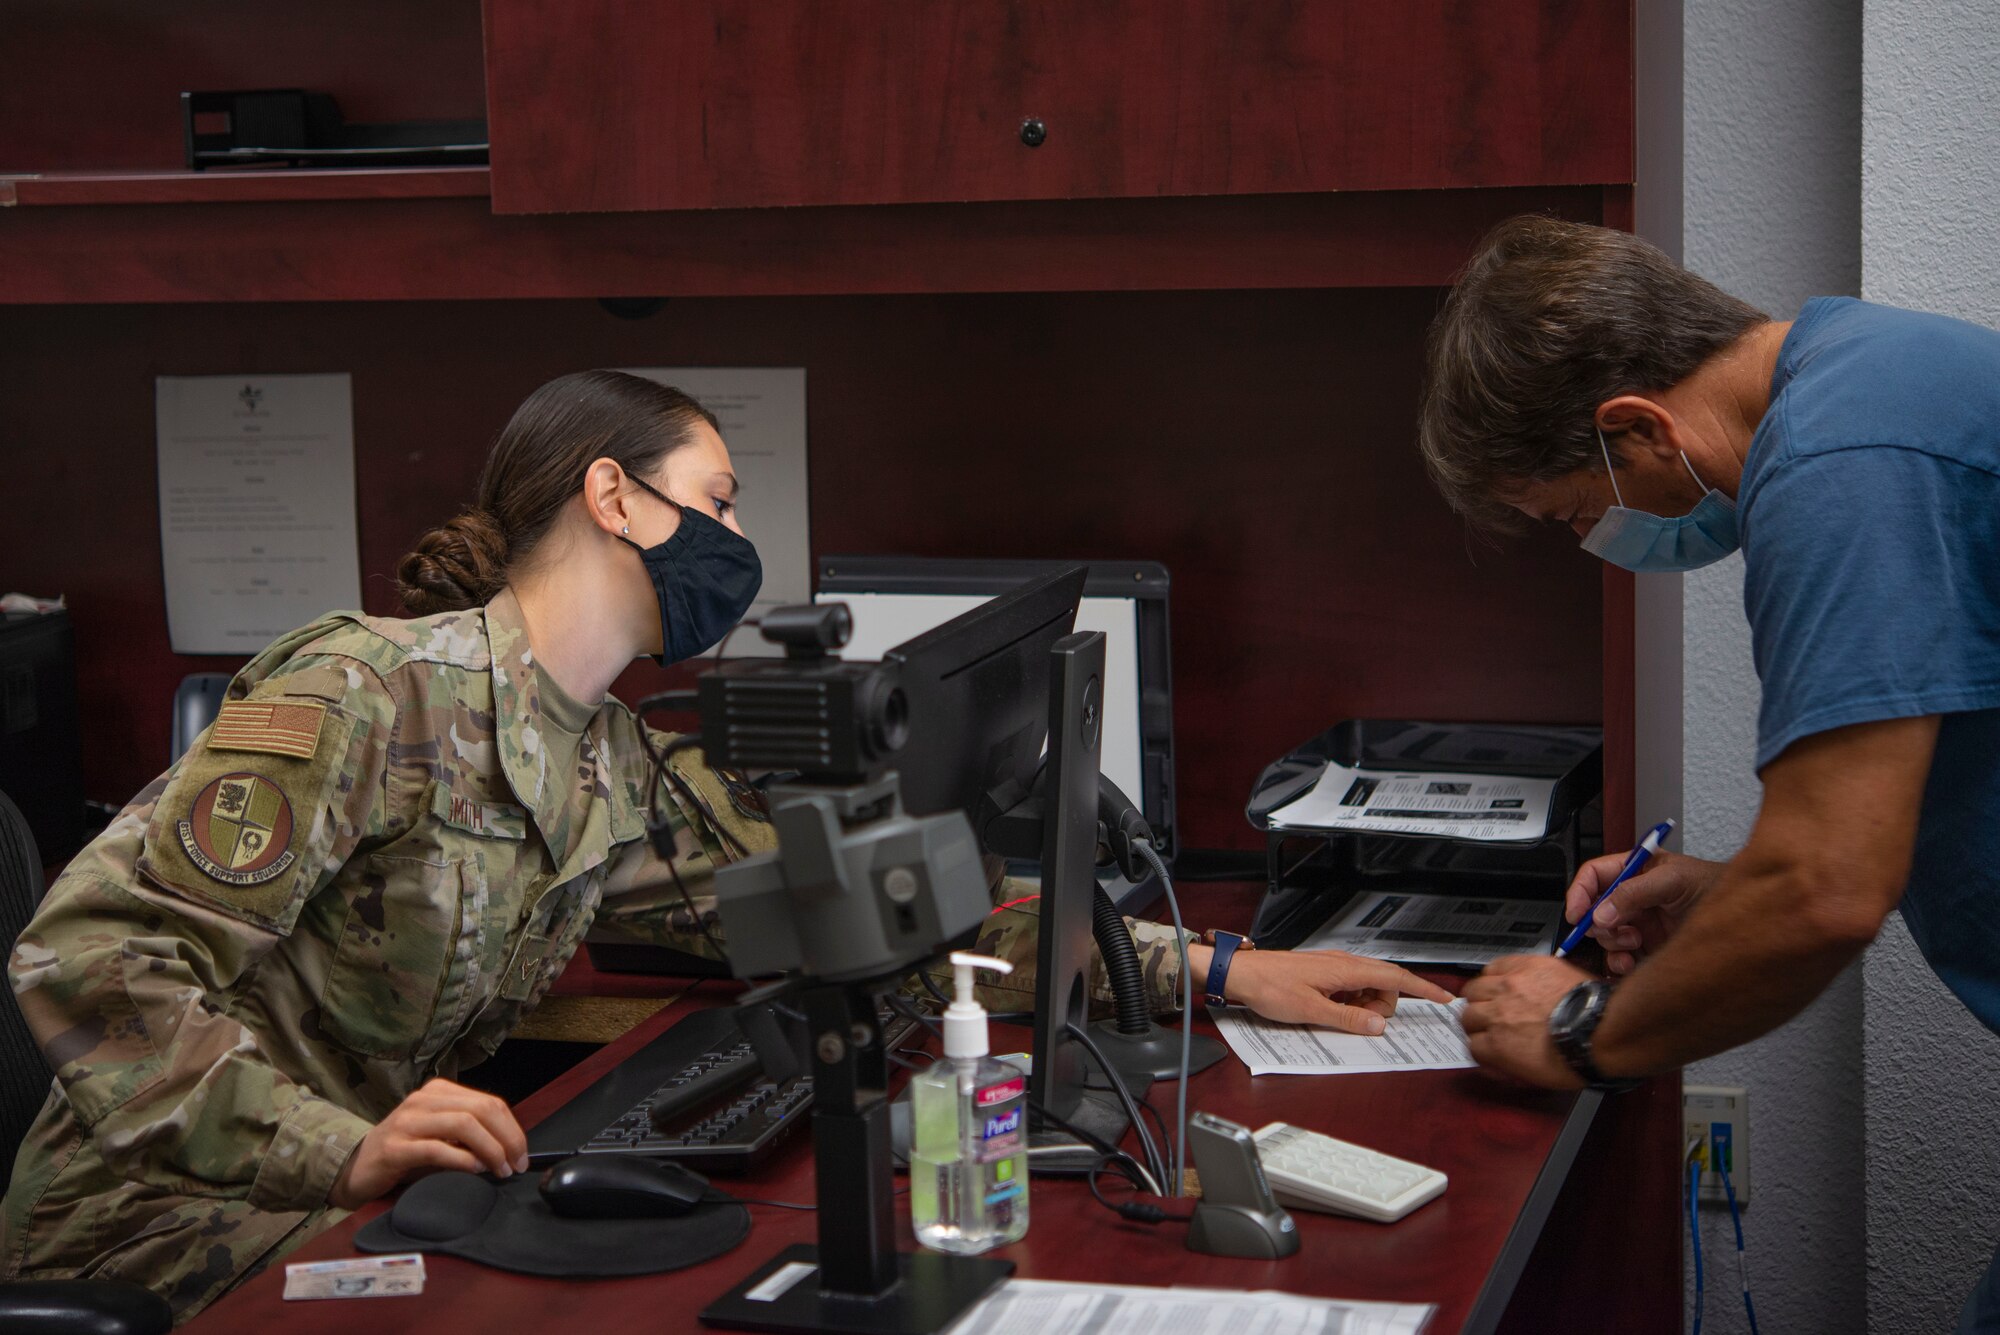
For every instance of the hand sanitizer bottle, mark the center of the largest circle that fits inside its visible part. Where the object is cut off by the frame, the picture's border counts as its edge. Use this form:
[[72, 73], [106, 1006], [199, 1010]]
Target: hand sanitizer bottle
[[969, 1153]]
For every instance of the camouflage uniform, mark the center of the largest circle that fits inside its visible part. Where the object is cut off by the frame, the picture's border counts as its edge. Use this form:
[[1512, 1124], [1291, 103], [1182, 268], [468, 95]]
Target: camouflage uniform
[[374, 863]]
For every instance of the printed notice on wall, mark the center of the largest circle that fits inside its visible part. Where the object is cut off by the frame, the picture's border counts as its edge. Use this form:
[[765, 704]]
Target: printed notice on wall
[[257, 525], [762, 410]]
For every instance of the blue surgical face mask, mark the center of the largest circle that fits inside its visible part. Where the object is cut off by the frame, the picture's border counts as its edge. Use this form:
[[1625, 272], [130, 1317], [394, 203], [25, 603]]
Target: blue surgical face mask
[[705, 576], [1650, 543]]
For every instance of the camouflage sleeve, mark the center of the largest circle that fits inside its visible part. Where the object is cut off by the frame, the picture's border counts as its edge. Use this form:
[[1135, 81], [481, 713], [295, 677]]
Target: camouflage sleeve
[[714, 818], [124, 973], [1012, 934]]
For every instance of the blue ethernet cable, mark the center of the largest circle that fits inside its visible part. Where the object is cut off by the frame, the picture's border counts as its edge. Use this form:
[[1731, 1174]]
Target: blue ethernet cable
[[1736, 1218], [1694, 1234]]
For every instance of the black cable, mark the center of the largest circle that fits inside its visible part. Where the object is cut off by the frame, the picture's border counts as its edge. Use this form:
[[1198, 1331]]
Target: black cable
[[730, 634], [700, 922], [1154, 1164], [1159, 1121], [1136, 1211], [701, 804], [910, 1008], [679, 701], [1134, 1171], [661, 836], [931, 986]]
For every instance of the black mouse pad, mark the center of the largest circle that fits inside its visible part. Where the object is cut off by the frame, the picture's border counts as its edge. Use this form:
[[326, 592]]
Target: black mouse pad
[[508, 1226]]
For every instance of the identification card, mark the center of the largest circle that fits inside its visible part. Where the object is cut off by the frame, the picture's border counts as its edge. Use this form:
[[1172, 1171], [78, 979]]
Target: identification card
[[358, 1277]]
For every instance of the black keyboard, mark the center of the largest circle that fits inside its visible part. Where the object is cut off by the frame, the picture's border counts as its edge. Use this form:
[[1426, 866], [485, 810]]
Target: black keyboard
[[672, 1100]]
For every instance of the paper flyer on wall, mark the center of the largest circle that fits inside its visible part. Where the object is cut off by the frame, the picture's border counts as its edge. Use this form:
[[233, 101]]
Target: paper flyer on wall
[[1439, 929], [258, 534], [1049, 1307], [1420, 1036], [1498, 808]]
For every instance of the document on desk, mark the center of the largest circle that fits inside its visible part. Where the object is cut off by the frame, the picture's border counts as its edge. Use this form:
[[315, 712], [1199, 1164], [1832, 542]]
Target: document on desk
[[257, 524], [1496, 808], [1439, 929], [1049, 1307], [1420, 1036], [762, 410]]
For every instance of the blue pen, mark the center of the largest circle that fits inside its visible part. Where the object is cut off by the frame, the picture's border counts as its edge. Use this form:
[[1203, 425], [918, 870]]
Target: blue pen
[[1640, 857]]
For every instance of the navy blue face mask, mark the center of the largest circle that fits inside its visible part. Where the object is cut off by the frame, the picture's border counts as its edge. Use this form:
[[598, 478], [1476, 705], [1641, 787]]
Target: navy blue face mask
[[706, 576]]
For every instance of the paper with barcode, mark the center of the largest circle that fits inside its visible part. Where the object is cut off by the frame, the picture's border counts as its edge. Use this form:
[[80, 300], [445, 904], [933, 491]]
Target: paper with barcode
[[1049, 1307], [1410, 928], [1493, 808], [1420, 1036]]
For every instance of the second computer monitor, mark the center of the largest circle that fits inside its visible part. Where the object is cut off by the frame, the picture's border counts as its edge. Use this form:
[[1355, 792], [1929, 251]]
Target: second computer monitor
[[893, 598]]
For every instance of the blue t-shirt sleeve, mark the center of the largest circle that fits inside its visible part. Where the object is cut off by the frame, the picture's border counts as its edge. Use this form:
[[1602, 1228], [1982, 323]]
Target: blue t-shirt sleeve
[[1872, 584]]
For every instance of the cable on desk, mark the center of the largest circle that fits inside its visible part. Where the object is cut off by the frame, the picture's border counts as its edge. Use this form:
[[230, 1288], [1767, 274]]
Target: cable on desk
[[1154, 1160], [1134, 1171], [1136, 1211], [902, 1004]]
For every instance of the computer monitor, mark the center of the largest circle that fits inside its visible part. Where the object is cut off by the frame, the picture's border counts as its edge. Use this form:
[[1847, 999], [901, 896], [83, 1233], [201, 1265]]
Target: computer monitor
[[893, 598], [976, 693]]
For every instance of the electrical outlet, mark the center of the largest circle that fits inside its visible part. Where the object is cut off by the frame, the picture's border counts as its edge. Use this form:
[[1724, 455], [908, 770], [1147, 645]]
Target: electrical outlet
[[1718, 1117]]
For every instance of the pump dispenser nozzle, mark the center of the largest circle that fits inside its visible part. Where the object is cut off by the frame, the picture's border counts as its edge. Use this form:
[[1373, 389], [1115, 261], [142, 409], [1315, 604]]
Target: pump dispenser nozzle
[[965, 1018]]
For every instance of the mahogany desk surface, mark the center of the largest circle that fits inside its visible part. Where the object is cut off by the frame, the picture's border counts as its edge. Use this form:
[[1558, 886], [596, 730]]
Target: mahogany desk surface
[[1494, 1141]]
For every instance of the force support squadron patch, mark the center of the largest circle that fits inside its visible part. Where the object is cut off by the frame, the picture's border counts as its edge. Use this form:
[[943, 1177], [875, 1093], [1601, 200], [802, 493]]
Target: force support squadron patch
[[239, 830]]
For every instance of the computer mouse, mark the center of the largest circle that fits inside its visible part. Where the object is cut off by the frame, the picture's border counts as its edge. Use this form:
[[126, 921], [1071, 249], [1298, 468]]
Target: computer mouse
[[621, 1186]]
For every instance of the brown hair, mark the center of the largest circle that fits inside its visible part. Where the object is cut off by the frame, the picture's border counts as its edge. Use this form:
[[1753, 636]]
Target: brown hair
[[1548, 321], [536, 466]]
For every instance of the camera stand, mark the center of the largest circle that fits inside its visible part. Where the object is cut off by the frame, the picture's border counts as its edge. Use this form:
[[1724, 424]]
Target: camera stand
[[854, 1280]]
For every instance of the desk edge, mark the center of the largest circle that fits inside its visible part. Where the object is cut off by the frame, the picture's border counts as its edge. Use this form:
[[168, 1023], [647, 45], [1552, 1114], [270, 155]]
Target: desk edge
[[1491, 1304]]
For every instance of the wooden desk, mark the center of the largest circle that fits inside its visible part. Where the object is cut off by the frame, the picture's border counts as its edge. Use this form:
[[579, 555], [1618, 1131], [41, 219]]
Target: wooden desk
[[1506, 1150]]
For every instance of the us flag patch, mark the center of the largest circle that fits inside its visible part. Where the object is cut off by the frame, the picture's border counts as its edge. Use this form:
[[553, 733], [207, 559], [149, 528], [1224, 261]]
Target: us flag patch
[[290, 728]]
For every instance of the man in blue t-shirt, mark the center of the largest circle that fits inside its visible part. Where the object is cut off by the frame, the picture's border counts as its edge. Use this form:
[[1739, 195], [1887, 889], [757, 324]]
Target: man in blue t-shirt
[[1579, 376]]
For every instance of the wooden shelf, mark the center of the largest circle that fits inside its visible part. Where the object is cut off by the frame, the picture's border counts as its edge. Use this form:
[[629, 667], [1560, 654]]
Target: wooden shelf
[[414, 248], [240, 186]]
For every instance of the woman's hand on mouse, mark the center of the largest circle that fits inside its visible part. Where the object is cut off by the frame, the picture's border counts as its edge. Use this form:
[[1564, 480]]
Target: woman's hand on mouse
[[440, 1126]]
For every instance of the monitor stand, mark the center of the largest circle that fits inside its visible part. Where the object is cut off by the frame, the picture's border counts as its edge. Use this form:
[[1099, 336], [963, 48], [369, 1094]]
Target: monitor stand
[[1066, 1085]]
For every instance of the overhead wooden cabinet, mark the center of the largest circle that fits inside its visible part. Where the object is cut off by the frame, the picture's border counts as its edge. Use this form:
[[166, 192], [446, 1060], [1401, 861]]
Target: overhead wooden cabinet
[[752, 103]]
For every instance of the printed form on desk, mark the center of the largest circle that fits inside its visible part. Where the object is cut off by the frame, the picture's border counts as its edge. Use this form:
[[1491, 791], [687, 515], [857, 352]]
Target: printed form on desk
[[1420, 1036], [1047, 1307]]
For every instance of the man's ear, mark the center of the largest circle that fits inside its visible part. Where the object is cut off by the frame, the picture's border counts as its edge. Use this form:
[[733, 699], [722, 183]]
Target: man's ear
[[1633, 424], [604, 495]]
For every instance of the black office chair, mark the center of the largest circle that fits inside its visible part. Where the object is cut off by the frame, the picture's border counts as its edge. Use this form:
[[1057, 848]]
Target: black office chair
[[196, 703], [47, 1307]]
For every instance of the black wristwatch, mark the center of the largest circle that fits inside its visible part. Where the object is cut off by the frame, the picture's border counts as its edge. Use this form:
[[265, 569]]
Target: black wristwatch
[[1571, 1025]]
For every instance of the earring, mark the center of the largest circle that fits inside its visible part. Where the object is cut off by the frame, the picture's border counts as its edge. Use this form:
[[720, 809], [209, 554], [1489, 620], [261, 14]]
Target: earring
[[627, 530]]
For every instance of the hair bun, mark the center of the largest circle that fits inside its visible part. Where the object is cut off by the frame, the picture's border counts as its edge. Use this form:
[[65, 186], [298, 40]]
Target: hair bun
[[459, 565]]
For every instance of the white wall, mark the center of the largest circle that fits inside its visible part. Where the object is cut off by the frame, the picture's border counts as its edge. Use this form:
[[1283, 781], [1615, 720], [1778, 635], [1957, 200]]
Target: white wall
[[1769, 209], [1930, 227]]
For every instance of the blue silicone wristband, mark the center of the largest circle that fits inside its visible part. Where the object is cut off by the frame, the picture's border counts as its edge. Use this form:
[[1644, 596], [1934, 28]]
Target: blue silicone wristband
[[1226, 944]]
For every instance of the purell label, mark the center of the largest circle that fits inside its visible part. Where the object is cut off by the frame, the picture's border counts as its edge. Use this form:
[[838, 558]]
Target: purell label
[[1000, 1093], [1004, 1125]]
